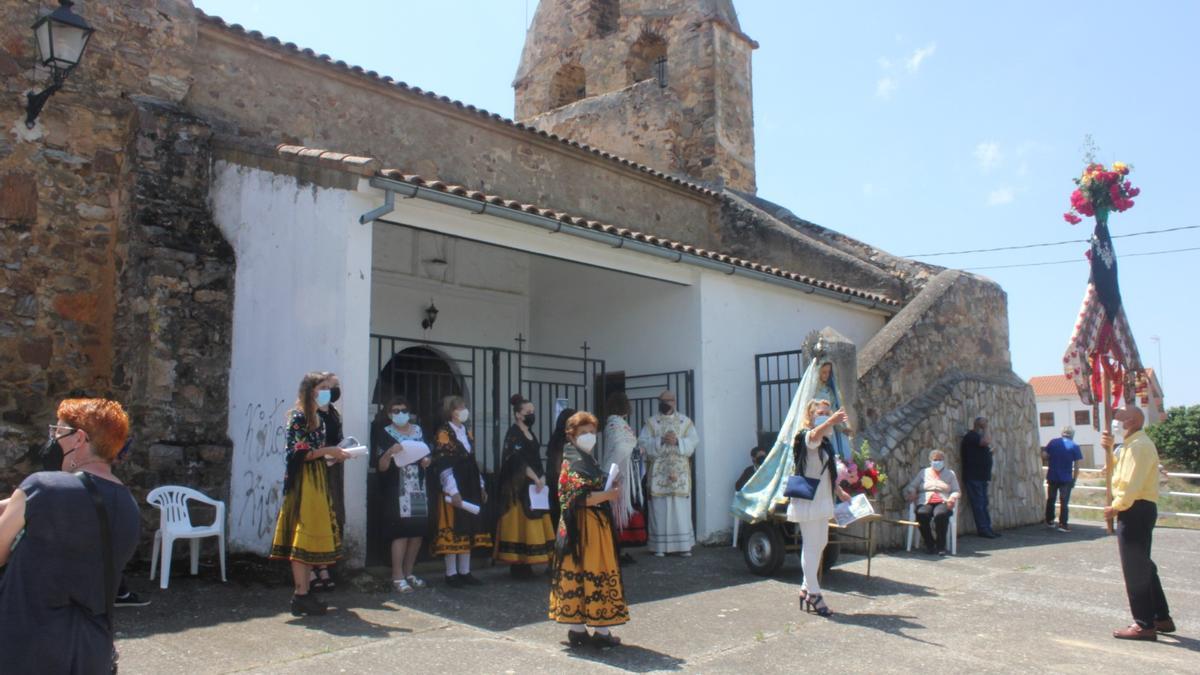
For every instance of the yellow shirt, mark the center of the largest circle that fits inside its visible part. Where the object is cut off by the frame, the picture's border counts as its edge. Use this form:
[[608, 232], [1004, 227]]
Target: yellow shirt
[[1136, 473]]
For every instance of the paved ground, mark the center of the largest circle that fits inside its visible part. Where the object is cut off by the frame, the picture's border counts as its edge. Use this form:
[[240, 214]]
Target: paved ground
[[1035, 600]]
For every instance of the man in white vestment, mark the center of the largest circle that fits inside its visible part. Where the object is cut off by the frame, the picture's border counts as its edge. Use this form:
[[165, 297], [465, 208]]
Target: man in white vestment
[[668, 441]]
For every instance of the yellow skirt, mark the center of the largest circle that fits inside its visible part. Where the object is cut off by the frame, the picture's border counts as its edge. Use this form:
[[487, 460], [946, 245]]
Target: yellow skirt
[[307, 531], [590, 591], [448, 542], [522, 540]]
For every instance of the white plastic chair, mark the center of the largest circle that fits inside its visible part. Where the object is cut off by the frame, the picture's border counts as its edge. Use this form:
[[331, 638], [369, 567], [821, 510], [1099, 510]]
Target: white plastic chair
[[174, 522], [951, 528]]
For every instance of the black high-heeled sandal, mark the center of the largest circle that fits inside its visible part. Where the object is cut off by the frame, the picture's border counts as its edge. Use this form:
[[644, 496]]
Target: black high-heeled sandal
[[578, 638], [817, 605], [803, 597]]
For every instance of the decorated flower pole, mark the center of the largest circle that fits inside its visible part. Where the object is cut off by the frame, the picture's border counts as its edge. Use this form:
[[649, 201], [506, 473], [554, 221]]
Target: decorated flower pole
[[1102, 358]]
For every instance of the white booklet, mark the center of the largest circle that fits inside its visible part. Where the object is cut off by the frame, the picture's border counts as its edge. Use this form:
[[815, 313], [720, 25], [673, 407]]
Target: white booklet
[[413, 451], [613, 472], [848, 512], [465, 506], [539, 500]]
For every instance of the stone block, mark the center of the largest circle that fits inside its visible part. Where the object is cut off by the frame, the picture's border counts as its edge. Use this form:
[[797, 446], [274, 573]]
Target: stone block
[[18, 197], [213, 454], [165, 457], [36, 351]]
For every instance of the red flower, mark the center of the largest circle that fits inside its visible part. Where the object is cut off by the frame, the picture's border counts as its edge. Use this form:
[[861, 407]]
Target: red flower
[[1072, 218], [1133, 192]]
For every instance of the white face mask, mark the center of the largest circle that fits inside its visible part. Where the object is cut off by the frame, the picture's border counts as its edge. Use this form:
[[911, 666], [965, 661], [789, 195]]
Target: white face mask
[[585, 442], [462, 416]]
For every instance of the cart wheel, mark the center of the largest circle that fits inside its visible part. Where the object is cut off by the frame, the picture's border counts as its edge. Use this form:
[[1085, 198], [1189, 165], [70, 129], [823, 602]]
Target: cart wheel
[[764, 549]]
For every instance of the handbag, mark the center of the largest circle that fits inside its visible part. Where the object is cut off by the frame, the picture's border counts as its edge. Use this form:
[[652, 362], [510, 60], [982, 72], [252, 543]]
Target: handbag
[[801, 487]]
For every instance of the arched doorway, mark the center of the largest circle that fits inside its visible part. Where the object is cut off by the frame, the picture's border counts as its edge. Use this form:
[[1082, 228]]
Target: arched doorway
[[424, 377]]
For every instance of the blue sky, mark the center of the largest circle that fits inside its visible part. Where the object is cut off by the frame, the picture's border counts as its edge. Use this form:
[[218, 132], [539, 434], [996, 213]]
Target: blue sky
[[916, 127]]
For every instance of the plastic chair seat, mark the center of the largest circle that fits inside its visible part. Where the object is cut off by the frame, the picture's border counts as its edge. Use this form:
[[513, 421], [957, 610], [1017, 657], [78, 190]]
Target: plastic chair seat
[[951, 528], [175, 522]]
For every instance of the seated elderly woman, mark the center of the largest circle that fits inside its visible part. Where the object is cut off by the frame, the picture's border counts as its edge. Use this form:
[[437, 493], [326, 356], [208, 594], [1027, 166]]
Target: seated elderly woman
[[935, 492]]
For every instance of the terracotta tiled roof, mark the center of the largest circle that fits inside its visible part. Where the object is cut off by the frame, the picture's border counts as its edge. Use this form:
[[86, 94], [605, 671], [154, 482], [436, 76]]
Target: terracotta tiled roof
[[1052, 385], [367, 166], [298, 52]]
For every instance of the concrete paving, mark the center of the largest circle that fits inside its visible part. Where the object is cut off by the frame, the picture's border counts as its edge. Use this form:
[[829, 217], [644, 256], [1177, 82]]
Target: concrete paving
[[1034, 600]]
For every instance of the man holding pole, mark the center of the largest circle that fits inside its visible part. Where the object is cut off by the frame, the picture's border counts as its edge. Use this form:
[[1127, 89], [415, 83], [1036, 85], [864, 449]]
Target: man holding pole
[[1134, 505]]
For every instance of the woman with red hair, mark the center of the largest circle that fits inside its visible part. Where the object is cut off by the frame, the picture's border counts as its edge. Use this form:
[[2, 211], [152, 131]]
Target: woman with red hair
[[57, 590]]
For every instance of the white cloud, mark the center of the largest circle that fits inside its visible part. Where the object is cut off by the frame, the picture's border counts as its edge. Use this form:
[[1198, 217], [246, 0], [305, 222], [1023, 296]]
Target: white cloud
[[885, 86], [988, 155], [1001, 196], [914, 62], [885, 63]]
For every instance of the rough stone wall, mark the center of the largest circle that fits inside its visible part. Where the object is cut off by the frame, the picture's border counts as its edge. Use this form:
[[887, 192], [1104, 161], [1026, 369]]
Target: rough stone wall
[[938, 364], [108, 283], [62, 199], [707, 73], [255, 91]]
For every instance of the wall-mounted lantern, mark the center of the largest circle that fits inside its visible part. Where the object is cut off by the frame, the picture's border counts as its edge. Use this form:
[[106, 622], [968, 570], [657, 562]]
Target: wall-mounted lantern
[[60, 36], [431, 313]]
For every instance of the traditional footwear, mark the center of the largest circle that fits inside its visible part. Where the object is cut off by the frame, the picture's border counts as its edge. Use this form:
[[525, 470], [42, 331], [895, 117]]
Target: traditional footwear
[[605, 641], [307, 605], [315, 583], [402, 586], [469, 580], [453, 581], [1164, 625], [817, 604], [1135, 632], [578, 638], [415, 581]]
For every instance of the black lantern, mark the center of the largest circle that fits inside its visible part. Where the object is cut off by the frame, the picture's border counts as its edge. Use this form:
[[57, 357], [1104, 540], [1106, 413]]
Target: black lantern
[[60, 36], [431, 313]]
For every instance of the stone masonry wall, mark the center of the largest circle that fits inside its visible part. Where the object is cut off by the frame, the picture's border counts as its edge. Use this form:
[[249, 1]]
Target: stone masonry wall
[[938, 364]]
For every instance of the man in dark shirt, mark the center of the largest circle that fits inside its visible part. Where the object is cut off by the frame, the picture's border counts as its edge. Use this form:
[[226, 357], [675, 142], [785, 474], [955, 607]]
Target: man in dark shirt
[[757, 455], [977, 473]]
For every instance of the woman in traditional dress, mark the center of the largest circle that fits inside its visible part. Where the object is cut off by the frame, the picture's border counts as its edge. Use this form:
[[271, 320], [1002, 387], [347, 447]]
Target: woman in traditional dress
[[306, 532], [620, 445], [320, 579], [586, 587], [813, 457], [524, 536], [405, 506], [456, 492]]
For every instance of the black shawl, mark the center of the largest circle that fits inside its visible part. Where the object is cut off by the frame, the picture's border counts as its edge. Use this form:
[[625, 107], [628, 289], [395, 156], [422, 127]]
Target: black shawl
[[584, 476], [519, 453]]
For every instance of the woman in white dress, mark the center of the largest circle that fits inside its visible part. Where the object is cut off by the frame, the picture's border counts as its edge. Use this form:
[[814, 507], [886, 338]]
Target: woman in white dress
[[814, 458]]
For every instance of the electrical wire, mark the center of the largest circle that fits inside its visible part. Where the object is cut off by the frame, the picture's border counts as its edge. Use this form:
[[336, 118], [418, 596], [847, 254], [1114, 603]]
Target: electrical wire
[[1078, 260], [1050, 243]]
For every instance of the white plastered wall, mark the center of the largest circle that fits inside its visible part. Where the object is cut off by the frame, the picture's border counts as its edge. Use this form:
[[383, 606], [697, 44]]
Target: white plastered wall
[[740, 318], [300, 304]]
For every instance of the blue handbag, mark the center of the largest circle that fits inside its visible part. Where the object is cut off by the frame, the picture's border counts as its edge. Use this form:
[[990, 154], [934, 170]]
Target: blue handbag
[[801, 487]]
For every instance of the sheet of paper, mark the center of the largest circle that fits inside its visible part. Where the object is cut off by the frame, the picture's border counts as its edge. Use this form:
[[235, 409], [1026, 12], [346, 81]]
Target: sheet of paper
[[539, 501], [413, 451], [848, 512], [465, 506], [349, 442], [613, 472]]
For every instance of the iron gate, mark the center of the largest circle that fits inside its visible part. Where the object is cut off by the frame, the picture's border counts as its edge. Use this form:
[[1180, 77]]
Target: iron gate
[[643, 391], [425, 371], [777, 376]]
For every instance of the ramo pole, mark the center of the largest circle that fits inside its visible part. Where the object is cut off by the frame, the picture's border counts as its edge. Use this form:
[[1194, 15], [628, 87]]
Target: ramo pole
[[1108, 453]]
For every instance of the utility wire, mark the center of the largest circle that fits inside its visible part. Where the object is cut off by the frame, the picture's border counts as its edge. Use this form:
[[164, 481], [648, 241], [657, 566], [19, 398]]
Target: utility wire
[[1050, 243], [1077, 260]]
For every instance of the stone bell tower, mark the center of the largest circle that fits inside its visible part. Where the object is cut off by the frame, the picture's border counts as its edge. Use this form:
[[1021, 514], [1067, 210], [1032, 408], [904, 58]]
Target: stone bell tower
[[665, 83]]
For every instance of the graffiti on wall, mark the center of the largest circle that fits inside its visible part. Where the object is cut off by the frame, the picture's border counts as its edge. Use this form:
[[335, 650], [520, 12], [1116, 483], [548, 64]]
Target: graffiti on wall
[[261, 486]]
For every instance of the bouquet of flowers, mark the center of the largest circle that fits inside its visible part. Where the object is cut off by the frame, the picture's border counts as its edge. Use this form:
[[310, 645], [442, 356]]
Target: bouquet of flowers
[[860, 475], [1101, 190]]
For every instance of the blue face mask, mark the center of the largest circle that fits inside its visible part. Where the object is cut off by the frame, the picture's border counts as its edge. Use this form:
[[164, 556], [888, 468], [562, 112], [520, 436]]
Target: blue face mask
[[400, 419], [938, 464], [820, 419], [324, 397]]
